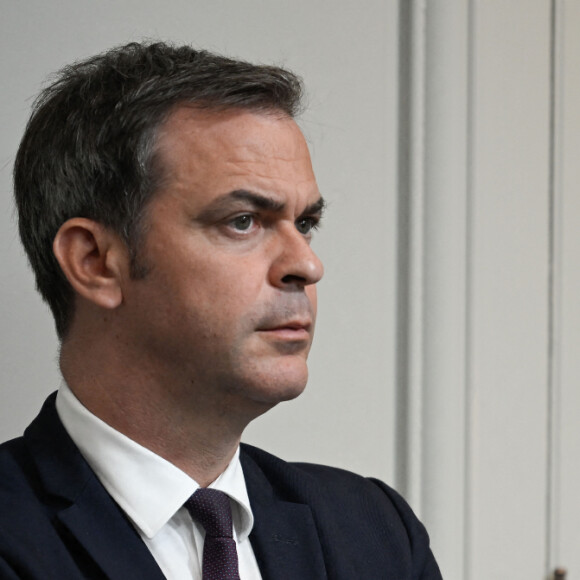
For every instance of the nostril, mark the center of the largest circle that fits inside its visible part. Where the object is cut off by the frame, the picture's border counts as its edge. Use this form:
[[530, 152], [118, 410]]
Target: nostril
[[292, 279]]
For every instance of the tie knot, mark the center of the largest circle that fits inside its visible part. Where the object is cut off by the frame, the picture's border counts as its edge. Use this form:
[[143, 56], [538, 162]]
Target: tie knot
[[211, 508]]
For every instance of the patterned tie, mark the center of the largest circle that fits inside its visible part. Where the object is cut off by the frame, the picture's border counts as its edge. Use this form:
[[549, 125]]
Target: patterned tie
[[211, 508]]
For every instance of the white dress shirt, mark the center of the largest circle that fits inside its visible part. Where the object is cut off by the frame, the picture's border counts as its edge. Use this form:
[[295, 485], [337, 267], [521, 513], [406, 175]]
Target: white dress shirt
[[152, 491]]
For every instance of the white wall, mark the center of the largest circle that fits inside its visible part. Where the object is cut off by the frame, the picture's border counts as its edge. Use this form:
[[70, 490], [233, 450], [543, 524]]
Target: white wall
[[348, 58], [445, 135], [493, 284]]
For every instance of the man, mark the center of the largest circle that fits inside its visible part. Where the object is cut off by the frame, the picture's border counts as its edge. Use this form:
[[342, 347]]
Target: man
[[167, 201]]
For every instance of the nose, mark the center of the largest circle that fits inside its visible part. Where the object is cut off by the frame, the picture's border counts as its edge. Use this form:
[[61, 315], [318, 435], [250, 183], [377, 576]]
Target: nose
[[296, 263]]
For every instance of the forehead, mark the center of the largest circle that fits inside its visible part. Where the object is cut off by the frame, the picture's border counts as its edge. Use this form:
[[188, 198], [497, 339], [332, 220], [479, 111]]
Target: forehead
[[204, 147]]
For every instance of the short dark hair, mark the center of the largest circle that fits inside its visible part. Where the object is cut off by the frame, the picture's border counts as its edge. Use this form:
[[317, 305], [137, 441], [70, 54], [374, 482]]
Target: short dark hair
[[89, 146]]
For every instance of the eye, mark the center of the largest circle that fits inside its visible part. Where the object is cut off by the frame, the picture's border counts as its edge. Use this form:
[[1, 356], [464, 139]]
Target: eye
[[305, 225], [243, 222]]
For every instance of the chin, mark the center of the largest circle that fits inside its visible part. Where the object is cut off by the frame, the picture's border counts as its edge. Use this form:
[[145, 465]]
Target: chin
[[284, 385], [278, 392]]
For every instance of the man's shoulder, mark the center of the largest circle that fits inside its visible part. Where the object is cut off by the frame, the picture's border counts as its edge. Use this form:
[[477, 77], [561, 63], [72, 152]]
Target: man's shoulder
[[329, 485], [40, 468], [16, 465], [22, 502], [11, 449], [354, 515]]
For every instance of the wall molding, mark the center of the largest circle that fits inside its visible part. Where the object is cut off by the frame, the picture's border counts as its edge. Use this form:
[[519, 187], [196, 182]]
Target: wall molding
[[435, 212]]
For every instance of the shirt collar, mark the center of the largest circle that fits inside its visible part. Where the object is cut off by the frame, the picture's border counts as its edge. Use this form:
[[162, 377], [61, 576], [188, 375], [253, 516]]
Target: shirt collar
[[149, 489]]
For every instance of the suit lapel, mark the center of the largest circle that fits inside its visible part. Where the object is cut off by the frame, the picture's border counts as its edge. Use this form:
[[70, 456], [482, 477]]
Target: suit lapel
[[284, 538], [108, 537], [93, 519]]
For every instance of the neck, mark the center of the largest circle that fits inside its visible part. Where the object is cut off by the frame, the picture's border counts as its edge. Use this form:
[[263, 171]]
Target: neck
[[175, 419]]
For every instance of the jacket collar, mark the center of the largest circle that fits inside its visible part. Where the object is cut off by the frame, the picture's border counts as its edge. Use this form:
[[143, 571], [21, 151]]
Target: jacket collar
[[285, 539], [87, 511]]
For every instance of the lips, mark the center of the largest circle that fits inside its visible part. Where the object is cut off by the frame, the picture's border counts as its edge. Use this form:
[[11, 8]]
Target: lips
[[288, 330], [291, 324]]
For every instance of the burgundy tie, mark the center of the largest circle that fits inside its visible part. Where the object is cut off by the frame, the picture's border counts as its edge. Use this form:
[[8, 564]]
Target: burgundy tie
[[211, 508]]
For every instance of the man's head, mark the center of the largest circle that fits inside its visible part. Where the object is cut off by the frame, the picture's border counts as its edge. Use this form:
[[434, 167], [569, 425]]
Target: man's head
[[167, 201], [91, 147]]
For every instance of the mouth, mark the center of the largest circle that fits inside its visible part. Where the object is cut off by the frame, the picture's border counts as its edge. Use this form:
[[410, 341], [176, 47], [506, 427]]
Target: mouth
[[293, 330]]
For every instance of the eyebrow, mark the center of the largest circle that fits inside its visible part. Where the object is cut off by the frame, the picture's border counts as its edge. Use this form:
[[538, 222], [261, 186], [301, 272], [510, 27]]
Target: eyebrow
[[257, 201], [316, 208]]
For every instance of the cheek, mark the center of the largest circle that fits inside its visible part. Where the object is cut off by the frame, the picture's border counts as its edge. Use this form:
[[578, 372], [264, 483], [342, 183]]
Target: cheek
[[227, 290]]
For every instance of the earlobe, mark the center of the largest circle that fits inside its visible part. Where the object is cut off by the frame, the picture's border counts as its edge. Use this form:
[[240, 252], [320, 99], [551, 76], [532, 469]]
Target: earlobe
[[92, 258]]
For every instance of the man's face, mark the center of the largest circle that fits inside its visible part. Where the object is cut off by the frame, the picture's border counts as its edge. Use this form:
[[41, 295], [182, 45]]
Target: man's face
[[228, 306]]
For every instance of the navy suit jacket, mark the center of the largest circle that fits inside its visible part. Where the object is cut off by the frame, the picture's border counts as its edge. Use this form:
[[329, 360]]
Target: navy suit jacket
[[311, 522]]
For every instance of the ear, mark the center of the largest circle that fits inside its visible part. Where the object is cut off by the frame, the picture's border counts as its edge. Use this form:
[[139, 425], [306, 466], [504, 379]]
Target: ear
[[93, 259]]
